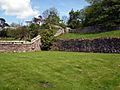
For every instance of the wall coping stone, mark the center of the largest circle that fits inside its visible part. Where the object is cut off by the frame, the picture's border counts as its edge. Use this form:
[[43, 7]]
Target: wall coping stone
[[21, 41]]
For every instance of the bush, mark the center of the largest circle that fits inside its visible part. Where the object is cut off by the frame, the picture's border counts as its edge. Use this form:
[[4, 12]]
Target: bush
[[24, 32], [47, 39], [44, 26], [3, 33], [21, 33], [33, 30], [11, 32]]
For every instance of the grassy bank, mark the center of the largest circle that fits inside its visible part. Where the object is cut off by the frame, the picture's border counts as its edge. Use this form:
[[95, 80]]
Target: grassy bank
[[91, 36], [7, 39], [59, 71]]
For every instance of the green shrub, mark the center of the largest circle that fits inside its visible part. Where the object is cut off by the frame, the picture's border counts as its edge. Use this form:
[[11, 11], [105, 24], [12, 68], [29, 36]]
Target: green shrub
[[3, 33], [47, 39], [33, 30], [24, 32], [11, 32], [44, 26], [20, 33]]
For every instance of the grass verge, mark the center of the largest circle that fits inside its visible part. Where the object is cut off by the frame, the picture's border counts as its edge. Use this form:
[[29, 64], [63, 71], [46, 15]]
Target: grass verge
[[91, 36]]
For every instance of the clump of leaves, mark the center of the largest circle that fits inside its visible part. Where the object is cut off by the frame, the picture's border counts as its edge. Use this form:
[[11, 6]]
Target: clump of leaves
[[47, 39]]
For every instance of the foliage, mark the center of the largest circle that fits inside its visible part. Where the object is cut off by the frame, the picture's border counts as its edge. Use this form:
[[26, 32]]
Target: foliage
[[11, 33], [74, 20], [47, 39], [3, 33], [24, 32], [33, 30], [44, 26], [14, 25], [93, 1], [50, 12], [105, 13], [62, 24], [51, 18], [64, 19], [20, 33]]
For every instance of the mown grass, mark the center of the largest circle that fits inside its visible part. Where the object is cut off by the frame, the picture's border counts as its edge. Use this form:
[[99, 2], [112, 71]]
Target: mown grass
[[7, 39], [91, 36], [59, 71]]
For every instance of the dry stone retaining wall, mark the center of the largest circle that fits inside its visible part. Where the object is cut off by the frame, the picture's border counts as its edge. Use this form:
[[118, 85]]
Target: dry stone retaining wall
[[92, 29], [21, 46], [107, 45]]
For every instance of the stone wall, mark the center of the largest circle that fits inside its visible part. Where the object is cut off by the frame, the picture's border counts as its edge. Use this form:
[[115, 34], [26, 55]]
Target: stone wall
[[21, 46], [107, 45], [92, 29]]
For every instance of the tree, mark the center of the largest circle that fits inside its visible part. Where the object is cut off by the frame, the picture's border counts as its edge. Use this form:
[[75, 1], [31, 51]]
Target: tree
[[50, 12], [47, 39], [65, 19], [14, 24], [74, 19], [20, 33], [93, 1], [106, 13], [33, 30], [51, 17]]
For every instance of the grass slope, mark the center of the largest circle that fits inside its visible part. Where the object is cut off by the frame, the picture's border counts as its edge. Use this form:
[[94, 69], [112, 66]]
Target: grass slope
[[91, 36], [59, 71], [7, 39]]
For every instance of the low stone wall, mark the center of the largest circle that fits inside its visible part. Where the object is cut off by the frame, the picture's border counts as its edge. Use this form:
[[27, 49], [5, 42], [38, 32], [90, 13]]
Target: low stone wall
[[21, 46], [107, 45]]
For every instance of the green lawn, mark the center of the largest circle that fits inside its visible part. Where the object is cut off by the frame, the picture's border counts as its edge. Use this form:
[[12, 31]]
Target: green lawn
[[7, 39], [59, 71], [91, 36]]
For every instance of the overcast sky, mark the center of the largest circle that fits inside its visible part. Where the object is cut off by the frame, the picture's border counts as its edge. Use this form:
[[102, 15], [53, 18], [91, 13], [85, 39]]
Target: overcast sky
[[20, 10]]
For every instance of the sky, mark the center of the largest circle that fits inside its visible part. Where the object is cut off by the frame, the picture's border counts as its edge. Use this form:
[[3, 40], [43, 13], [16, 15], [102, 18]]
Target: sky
[[19, 11]]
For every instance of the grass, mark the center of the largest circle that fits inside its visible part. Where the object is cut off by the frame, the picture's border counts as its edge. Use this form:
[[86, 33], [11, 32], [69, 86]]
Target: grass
[[7, 39], [59, 71], [91, 36]]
